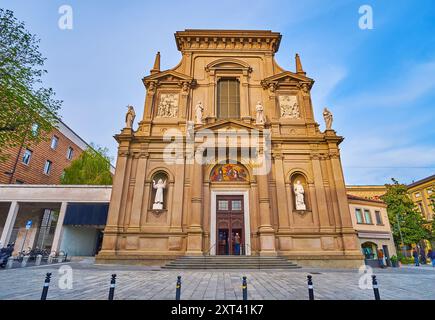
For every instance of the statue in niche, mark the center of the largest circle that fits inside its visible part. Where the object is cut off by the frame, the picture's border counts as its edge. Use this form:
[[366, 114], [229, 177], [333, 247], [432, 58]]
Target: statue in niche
[[299, 196], [289, 107], [158, 200], [260, 113], [327, 116], [199, 109], [168, 106], [129, 117]]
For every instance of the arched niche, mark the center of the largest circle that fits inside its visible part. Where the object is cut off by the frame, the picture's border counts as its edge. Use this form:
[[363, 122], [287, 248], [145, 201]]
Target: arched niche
[[157, 176], [294, 179]]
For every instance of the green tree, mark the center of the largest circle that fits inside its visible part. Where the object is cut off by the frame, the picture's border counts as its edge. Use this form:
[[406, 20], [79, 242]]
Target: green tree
[[91, 167], [402, 212], [24, 102]]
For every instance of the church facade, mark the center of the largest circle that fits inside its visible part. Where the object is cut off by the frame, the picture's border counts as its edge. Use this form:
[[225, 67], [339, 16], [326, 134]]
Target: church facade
[[228, 159]]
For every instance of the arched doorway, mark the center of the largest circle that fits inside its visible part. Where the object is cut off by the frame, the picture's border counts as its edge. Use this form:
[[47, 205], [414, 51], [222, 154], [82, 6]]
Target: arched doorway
[[229, 223], [370, 250]]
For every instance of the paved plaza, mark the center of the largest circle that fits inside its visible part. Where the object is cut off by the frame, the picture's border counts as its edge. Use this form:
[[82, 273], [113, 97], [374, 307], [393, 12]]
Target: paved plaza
[[91, 282]]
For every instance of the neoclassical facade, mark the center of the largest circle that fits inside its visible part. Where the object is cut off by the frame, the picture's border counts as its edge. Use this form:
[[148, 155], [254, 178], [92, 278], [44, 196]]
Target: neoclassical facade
[[228, 87]]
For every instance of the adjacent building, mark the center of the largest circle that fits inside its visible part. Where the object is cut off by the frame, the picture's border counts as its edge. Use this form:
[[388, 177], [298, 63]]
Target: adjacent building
[[370, 220], [422, 192], [44, 162]]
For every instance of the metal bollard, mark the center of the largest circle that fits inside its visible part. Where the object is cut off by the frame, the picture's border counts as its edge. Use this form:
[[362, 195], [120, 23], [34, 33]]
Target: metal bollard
[[310, 287], [375, 288], [245, 289], [45, 288], [10, 263], [24, 262], [112, 287], [178, 289], [38, 260]]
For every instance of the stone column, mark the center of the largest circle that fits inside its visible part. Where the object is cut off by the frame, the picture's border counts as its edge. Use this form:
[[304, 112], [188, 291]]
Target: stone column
[[9, 224], [136, 208], [177, 209], [112, 226], [320, 192], [267, 234], [59, 228], [244, 98], [283, 215], [194, 233]]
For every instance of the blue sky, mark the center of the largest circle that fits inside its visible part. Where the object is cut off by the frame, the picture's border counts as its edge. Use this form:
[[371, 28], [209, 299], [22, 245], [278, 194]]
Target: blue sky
[[379, 83]]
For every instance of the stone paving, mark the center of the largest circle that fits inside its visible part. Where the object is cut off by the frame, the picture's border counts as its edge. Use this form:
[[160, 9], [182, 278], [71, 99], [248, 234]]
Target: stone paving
[[91, 282]]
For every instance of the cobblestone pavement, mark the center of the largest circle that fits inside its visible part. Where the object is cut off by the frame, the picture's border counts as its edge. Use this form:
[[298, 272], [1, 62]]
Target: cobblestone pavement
[[135, 282]]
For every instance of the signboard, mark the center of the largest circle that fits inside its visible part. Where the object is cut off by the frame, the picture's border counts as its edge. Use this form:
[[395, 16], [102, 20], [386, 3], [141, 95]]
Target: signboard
[[28, 224]]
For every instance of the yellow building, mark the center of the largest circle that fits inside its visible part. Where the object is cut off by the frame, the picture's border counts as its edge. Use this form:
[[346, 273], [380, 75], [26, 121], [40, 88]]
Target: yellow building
[[422, 192], [219, 191], [373, 192]]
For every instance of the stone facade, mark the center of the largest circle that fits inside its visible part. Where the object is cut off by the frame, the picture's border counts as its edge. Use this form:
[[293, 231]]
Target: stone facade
[[270, 224]]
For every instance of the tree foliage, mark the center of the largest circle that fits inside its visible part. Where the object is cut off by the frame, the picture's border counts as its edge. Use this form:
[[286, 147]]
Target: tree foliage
[[92, 167], [24, 101], [403, 212]]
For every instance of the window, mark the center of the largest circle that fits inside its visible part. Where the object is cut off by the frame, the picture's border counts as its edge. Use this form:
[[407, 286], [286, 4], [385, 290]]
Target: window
[[228, 99], [420, 207], [26, 156], [358, 215], [222, 205], [46, 229], [19, 181], [236, 205], [69, 153], [429, 191], [378, 217], [417, 194], [54, 142], [367, 216], [35, 129], [47, 167]]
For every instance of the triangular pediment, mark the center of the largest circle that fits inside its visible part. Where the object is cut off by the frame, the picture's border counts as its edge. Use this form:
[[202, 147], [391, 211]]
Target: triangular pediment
[[167, 76], [229, 124], [288, 76]]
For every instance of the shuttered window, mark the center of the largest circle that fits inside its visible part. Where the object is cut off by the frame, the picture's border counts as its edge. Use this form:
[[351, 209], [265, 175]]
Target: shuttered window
[[228, 102]]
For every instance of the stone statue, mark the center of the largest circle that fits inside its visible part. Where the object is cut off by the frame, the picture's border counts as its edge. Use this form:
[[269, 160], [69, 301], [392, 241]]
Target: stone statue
[[198, 113], [129, 117], [299, 196], [327, 115], [158, 200], [260, 113]]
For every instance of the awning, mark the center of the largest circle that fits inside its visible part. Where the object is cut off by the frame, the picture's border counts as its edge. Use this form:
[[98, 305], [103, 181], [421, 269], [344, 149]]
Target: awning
[[86, 214]]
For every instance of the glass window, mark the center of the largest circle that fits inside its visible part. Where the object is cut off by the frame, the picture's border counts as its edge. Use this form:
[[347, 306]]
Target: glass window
[[47, 167], [35, 129], [19, 181], [417, 194], [236, 204], [358, 215], [228, 99], [420, 207], [54, 142], [378, 217], [46, 229], [429, 191], [367, 216], [222, 205], [69, 153], [26, 156]]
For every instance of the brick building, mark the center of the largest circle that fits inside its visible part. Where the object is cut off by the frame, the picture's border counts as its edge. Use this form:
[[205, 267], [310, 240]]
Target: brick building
[[44, 162]]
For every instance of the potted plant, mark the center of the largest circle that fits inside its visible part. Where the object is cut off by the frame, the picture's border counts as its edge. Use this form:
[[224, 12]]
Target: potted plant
[[394, 261]]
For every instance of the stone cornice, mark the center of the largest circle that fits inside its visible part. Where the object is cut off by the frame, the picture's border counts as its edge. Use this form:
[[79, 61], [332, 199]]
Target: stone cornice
[[244, 40]]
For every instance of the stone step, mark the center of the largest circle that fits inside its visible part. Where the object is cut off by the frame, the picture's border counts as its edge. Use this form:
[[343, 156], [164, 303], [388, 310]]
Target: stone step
[[230, 262]]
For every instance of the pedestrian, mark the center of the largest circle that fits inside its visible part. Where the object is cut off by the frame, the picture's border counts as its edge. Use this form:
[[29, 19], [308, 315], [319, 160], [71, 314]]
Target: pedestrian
[[381, 258], [431, 255], [237, 244], [415, 255], [423, 255]]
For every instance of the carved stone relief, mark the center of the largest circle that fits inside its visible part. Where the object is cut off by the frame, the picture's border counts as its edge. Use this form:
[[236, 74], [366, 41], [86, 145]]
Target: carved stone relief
[[168, 105], [289, 107]]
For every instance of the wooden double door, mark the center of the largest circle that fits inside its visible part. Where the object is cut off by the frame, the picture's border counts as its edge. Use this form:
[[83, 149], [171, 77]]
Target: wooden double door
[[230, 225]]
